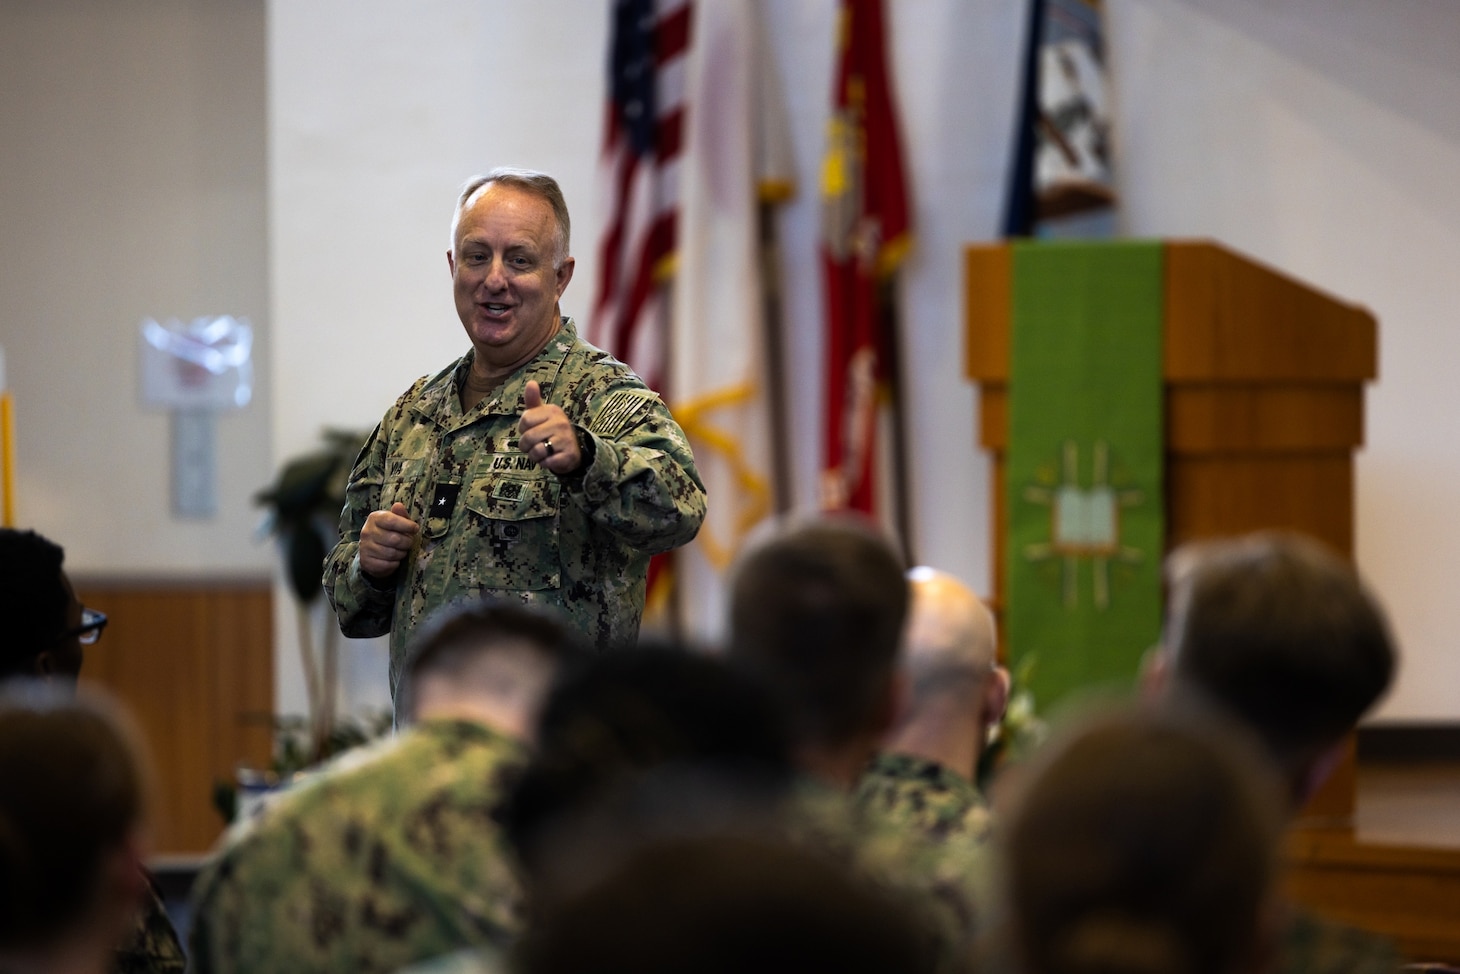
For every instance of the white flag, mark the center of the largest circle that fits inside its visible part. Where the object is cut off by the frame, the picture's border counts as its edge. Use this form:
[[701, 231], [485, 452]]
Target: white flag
[[736, 153]]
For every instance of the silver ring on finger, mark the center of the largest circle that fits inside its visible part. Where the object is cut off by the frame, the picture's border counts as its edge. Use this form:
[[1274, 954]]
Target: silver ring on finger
[[547, 446]]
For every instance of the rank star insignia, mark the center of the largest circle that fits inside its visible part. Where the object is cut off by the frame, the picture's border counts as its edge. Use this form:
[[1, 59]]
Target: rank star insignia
[[443, 499]]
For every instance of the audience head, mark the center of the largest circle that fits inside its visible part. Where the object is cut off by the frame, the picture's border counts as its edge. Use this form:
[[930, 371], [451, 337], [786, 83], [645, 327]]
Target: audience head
[[636, 743], [44, 627], [1279, 631], [488, 660], [956, 687], [72, 823], [818, 610], [1142, 843], [726, 905]]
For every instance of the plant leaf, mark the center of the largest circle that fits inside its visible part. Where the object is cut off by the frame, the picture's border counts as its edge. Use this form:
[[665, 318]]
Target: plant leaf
[[300, 489], [305, 561]]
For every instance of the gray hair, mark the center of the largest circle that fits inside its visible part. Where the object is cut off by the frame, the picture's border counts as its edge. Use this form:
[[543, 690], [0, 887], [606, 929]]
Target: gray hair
[[535, 183]]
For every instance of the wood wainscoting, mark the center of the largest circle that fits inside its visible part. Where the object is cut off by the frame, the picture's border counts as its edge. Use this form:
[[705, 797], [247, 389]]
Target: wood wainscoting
[[1406, 892], [1395, 868], [194, 663]]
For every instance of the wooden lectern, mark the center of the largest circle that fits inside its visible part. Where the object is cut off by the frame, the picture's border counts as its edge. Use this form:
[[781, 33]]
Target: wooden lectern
[[1264, 384]]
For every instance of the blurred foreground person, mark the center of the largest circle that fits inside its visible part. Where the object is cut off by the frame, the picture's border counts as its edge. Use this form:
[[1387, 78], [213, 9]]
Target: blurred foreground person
[[1279, 632], [46, 628], [817, 611], [925, 773], [1141, 844], [72, 831], [396, 853], [726, 905], [639, 746]]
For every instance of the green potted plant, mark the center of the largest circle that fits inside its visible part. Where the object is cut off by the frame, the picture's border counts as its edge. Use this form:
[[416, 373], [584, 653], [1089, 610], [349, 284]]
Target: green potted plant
[[303, 509], [1019, 732]]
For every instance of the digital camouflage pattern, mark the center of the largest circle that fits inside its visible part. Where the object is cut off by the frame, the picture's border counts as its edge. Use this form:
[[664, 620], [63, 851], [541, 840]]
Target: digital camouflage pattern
[[944, 882], [1315, 945], [481, 960], [495, 523], [1310, 945], [924, 796], [392, 857], [153, 947]]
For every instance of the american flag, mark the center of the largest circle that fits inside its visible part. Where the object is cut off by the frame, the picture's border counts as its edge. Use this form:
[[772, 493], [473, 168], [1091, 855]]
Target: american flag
[[638, 175], [638, 179]]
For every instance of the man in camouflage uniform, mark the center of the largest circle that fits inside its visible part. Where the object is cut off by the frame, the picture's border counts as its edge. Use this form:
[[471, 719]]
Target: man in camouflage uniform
[[1280, 633], [395, 854], [536, 467], [818, 611], [924, 775]]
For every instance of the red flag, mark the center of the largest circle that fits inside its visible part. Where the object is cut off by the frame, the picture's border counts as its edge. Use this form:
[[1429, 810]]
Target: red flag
[[638, 179], [865, 235]]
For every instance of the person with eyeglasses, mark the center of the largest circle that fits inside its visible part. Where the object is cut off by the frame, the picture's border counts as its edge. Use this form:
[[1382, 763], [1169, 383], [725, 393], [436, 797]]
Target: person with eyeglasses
[[46, 624], [45, 628]]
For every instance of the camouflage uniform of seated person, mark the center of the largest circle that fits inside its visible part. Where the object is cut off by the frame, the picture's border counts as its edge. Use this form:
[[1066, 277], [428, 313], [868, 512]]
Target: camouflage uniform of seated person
[[395, 854], [923, 777], [818, 612]]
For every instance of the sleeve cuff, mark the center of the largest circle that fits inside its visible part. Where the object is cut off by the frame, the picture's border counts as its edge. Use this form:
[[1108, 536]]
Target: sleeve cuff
[[588, 454], [368, 588]]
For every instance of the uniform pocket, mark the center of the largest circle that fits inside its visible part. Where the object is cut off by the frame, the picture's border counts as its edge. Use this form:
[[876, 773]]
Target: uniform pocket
[[512, 527], [405, 481]]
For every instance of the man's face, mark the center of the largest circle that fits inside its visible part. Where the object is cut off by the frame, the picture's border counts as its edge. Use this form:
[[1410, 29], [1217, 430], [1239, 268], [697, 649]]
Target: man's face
[[502, 273], [63, 660]]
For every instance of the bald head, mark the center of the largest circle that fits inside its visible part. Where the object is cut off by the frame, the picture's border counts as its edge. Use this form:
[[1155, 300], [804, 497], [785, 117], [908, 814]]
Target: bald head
[[949, 630], [949, 660]]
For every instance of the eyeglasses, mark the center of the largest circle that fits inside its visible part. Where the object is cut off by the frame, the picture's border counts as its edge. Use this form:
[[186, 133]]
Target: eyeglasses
[[92, 623]]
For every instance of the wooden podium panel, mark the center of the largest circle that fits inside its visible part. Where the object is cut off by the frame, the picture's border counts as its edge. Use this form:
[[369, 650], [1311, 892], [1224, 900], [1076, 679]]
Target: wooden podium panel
[[1263, 381], [1211, 495], [1231, 319], [193, 660]]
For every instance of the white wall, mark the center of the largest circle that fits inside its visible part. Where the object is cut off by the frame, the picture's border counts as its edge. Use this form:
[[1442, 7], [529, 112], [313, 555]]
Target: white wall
[[132, 172], [378, 110], [1324, 138], [1319, 137]]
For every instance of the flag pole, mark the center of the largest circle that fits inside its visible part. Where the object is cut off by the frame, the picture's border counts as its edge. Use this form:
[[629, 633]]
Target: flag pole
[[1019, 208], [664, 321], [887, 311], [7, 449], [774, 358]]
